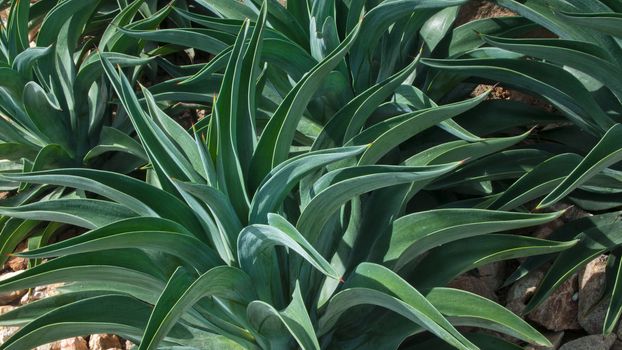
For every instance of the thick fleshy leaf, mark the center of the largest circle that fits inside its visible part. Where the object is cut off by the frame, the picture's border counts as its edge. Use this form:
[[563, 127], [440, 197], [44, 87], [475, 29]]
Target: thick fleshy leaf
[[148, 233], [184, 290], [101, 314], [278, 135], [592, 242], [87, 213], [607, 152], [468, 309], [444, 263], [286, 175], [376, 285], [294, 317], [417, 233]]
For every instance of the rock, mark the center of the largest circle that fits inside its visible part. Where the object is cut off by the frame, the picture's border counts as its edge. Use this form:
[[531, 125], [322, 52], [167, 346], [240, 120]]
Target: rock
[[554, 338], [6, 332], [479, 9], [40, 292], [10, 296], [591, 342], [592, 307], [617, 345], [51, 346], [474, 285], [557, 313], [104, 342], [77, 343], [129, 345], [16, 263], [492, 274]]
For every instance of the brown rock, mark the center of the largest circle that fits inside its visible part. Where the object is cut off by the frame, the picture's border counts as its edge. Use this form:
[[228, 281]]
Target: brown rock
[[492, 274], [6, 332], [474, 285], [557, 313], [10, 296], [617, 345], [591, 342], [104, 342], [592, 307], [77, 343], [480, 9], [40, 292], [555, 339], [51, 346], [129, 345], [16, 263]]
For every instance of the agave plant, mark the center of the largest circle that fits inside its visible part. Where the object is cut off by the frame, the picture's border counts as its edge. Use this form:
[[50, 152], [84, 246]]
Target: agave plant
[[578, 72], [56, 104], [273, 235]]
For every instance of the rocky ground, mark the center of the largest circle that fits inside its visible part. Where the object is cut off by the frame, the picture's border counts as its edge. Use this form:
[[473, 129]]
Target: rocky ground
[[572, 317]]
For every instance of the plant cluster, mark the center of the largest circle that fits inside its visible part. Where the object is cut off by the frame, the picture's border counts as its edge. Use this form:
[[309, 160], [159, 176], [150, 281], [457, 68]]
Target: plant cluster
[[342, 175]]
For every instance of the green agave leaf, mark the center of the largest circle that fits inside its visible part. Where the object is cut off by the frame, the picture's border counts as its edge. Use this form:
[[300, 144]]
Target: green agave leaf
[[113, 140], [184, 289], [605, 22], [221, 209], [348, 121], [537, 182], [91, 69], [294, 317], [389, 134], [507, 164], [547, 15], [147, 233], [417, 233], [460, 150], [123, 18], [128, 271], [443, 264], [255, 239], [552, 82], [87, 213], [321, 207], [28, 312], [468, 309], [374, 25], [586, 57], [373, 284], [25, 62], [13, 232], [466, 37], [569, 231], [436, 28], [234, 116], [284, 177], [17, 28], [190, 164], [592, 242], [46, 116], [103, 314], [126, 190], [279, 133], [205, 40], [607, 152]]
